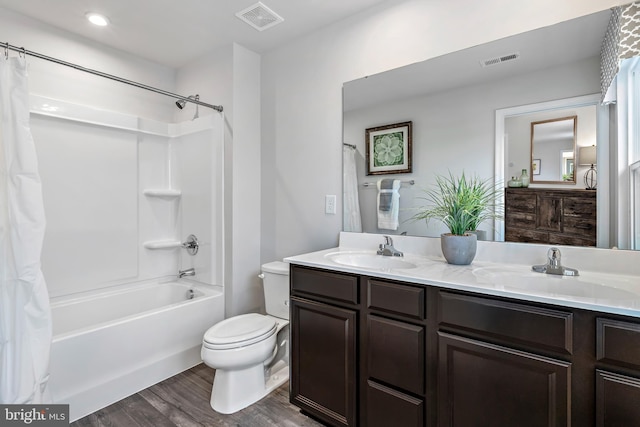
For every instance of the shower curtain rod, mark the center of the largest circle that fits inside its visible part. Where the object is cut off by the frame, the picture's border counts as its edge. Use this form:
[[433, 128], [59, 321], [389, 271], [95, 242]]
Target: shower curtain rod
[[22, 50]]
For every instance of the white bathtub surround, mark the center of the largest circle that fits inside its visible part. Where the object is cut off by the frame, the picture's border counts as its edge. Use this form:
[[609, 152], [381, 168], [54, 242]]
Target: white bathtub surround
[[25, 317], [109, 344], [122, 193], [166, 180], [609, 280]]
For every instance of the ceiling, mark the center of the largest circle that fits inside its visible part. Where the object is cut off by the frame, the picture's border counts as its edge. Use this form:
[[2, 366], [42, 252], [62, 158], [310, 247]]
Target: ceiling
[[173, 33], [547, 47]]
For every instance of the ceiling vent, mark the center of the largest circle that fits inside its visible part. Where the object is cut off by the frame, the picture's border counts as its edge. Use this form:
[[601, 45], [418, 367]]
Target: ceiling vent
[[500, 59], [259, 16]]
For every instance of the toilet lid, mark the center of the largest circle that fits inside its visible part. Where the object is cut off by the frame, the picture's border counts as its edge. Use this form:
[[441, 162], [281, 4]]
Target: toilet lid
[[240, 330]]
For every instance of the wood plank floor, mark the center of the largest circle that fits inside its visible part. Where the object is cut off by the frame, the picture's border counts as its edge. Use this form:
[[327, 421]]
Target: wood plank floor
[[183, 401]]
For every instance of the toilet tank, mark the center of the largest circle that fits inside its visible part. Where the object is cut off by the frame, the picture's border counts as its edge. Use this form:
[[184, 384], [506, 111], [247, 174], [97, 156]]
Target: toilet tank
[[275, 278]]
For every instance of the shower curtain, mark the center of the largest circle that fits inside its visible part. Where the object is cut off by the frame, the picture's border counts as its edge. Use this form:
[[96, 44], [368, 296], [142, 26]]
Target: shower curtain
[[25, 314], [351, 212]]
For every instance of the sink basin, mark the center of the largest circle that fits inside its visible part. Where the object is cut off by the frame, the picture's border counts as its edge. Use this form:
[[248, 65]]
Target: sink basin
[[369, 260], [590, 285]]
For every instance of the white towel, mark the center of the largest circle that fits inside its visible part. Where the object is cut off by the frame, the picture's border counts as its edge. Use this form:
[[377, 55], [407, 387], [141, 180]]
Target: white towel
[[388, 218]]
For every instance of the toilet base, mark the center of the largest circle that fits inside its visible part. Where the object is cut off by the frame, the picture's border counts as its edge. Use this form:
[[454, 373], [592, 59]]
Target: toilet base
[[236, 390], [279, 376]]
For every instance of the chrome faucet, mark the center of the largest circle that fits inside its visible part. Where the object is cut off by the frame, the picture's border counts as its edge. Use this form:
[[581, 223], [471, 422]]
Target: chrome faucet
[[387, 248], [554, 266], [187, 272]]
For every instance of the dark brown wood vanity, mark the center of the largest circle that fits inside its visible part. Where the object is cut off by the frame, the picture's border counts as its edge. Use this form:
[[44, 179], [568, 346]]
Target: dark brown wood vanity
[[367, 351], [554, 216]]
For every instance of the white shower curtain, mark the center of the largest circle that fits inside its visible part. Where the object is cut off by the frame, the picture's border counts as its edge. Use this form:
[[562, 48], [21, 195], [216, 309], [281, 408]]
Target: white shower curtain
[[25, 315], [351, 218]]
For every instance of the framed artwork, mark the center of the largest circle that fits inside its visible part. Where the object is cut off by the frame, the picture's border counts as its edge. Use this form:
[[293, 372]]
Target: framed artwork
[[535, 166], [389, 149]]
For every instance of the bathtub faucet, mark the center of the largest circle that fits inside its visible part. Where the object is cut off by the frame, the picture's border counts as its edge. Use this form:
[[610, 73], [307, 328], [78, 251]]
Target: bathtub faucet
[[187, 272]]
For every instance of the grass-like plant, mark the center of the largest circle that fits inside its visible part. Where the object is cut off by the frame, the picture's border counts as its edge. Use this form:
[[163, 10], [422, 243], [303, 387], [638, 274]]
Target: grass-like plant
[[460, 203]]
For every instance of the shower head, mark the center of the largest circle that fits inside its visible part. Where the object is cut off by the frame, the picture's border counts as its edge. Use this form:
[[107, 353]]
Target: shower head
[[182, 102]]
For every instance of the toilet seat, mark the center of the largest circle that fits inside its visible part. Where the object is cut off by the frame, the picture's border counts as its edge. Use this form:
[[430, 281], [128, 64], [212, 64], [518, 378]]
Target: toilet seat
[[239, 331]]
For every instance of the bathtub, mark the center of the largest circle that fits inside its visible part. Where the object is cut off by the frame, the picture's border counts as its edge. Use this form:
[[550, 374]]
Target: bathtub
[[112, 343]]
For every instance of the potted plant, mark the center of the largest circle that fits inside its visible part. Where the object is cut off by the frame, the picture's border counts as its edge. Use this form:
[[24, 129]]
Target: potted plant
[[461, 204]]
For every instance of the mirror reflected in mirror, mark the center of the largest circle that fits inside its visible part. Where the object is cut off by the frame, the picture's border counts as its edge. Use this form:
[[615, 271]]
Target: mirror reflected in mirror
[[553, 151]]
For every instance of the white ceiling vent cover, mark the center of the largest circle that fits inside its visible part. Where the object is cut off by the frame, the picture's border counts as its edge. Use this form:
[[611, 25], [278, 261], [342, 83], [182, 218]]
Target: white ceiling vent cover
[[259, 16], [500, 59]]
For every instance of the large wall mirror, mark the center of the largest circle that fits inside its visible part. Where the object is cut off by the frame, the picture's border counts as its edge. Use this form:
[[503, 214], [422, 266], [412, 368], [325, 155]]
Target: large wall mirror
[[547, 75]]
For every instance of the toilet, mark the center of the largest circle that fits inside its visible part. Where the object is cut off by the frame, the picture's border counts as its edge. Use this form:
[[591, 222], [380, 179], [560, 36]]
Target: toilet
[[250, 352]]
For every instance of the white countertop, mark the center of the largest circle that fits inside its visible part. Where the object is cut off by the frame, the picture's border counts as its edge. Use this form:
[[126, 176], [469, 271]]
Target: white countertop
[[597, 288]]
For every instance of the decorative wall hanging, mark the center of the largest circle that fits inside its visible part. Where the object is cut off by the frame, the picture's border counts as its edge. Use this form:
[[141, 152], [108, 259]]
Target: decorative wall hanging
[[389, 149], [535, 166]]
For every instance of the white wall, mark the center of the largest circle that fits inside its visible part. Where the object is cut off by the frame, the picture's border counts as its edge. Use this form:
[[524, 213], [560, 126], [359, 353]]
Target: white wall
[[302, 99], [230, 76]]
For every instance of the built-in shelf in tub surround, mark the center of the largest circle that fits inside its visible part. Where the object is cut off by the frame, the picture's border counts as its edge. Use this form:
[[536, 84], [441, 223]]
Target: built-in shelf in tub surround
[[162, 192], [162, 244]]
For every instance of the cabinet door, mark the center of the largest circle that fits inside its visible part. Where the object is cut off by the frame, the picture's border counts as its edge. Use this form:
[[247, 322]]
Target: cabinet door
[[323, 355], [482, 384], [617, 400], [549, 212], [387, 407]]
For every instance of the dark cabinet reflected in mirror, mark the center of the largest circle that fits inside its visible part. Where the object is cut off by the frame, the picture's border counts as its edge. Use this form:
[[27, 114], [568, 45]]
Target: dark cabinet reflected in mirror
[[453, 101]]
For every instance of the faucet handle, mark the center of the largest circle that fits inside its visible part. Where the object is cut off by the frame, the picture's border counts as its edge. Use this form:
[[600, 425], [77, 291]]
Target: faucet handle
[[388, 241], [554, 256]]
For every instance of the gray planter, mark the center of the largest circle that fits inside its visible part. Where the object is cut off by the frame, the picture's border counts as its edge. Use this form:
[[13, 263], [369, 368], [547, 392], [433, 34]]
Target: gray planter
[[482, 234], [459, 250]]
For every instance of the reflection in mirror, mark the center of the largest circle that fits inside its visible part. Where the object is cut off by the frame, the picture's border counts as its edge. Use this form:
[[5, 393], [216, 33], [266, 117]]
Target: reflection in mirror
[[516, 135], [553, 148], [453, 100]]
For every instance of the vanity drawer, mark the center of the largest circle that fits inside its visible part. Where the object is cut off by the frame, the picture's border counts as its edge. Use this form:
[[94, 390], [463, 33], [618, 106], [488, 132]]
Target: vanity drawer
[[579, 225], [531, 326], [389, 407], [320, 283], [396, 298], [618, 343], [516, 234], [521, 219], [521, 201]]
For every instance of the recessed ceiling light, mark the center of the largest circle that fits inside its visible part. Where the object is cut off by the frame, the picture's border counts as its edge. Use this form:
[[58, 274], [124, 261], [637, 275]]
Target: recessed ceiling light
[[97, 19]]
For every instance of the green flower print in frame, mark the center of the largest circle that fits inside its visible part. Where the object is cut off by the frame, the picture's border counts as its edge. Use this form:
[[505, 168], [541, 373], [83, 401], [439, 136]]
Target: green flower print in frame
[[389, 149]]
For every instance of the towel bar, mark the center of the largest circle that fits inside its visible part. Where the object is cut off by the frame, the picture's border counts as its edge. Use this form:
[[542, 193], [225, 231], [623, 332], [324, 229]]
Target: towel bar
[[410, 182]]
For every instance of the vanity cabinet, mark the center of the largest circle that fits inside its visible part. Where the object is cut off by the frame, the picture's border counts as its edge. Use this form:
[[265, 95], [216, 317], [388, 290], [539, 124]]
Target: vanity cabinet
[[324, 337], [394, 349], [372, 352], [552, 216], [618, 373], [493, 363]]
